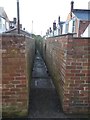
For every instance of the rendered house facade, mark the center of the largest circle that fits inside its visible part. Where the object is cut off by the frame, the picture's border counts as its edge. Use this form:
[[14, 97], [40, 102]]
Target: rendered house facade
[[4, 21], [78, 22]]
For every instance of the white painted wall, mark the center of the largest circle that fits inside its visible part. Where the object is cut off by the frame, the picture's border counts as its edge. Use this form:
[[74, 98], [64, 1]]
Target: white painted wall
[[70, 26], [64, 29], [3, 25], [55, 32]]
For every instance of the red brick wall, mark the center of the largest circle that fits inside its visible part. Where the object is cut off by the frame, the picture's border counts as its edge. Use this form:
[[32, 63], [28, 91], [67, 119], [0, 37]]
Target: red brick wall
[[17, 50], [0, 75], [68, 61]]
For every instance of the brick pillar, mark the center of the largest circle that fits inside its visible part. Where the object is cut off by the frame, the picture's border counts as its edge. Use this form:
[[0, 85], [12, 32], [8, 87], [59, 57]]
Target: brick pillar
[[76, 78], [1, 75], [68, 62], [17, 49]]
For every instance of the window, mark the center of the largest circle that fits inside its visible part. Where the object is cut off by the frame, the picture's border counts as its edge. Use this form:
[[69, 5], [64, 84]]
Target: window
[[3, 25], [0, 23], [63, 29], [73, 26], [67, 25]]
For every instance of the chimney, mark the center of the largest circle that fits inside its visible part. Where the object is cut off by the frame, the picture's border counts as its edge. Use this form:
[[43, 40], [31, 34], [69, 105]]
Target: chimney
[[23, 28], [59, 20], [50, 29], [14, 20], [54, 25], [72, 5]]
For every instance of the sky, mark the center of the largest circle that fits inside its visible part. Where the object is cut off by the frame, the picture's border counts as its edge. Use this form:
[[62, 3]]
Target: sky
[[38, 15]]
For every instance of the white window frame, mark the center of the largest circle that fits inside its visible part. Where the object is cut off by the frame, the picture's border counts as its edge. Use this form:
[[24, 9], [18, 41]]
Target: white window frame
[[67, 27], [73, 25], [0, 23]]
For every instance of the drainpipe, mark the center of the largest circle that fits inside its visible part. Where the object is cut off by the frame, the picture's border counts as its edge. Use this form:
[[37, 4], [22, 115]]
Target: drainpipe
[[18, 17]]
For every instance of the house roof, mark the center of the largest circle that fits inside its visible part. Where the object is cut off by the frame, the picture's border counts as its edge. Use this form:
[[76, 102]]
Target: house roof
[[61, 22], [14, 30], [3, 14], [82, 14]]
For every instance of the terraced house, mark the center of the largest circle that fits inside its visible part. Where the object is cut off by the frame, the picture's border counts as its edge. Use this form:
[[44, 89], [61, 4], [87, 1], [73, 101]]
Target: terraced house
[[78, 22], [4, 21]]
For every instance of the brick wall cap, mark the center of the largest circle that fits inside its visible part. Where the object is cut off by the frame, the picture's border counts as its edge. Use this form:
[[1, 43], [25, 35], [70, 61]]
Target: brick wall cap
[[14, 35], [68, 34], [11, 35], [81, 38]]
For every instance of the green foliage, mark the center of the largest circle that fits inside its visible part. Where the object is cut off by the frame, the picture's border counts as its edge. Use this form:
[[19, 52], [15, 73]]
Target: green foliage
[[37, 37], [38, 42]]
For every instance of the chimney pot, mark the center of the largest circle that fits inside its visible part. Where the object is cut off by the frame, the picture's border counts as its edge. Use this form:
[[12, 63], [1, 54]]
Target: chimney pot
[[59, 20], [14, 19], [54, 25], [72, 5], [50, 29]]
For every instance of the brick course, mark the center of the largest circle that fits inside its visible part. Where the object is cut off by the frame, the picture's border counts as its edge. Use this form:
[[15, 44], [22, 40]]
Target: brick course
[[0, 75], [68, 61], [17, 59]]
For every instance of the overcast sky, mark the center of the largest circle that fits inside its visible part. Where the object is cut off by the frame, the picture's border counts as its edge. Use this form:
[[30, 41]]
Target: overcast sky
[[42, 12]]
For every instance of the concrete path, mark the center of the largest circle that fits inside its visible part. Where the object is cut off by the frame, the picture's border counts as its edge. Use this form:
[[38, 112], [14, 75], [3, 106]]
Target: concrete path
[[44, 102]]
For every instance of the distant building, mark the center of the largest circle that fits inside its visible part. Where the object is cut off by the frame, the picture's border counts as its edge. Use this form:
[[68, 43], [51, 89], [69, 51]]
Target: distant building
[[4, 21], [15, 31], [13, 24], [77, 22], [60, 26], [57, 29]]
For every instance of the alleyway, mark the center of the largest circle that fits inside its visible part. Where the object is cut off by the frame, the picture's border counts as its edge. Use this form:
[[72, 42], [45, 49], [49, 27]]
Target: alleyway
[[44, 102]]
